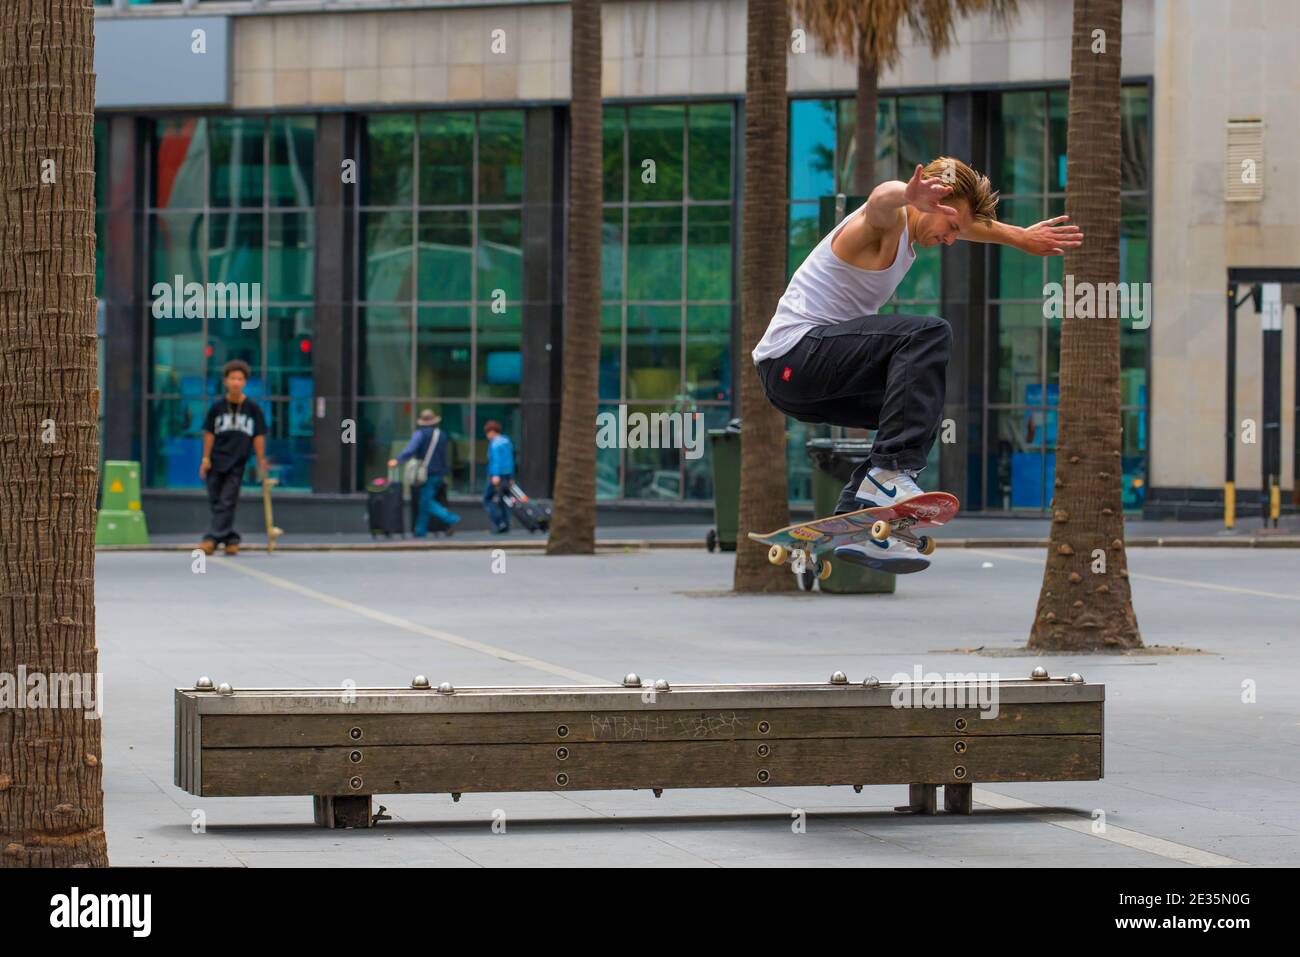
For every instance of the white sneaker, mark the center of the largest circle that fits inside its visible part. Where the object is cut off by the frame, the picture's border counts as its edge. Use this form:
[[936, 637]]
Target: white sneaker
[[886, 487], [893, 556]]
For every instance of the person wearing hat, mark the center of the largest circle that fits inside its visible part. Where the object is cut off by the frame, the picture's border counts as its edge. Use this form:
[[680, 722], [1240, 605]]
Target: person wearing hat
[[426, 458]]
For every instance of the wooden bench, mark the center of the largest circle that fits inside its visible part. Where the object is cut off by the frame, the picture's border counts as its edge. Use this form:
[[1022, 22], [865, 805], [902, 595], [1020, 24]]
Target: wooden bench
[[342, 747]]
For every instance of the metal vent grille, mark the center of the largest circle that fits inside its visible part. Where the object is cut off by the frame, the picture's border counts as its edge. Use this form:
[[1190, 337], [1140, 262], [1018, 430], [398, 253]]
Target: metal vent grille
[[1244, 165]]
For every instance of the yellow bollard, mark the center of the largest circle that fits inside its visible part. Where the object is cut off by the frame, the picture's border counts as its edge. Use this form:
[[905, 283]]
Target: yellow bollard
[[1275, 503], [1229, 505]]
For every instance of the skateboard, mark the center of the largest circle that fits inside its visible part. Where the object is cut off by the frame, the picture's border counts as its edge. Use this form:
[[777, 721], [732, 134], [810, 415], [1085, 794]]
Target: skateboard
[[802, 545], [272, 533]]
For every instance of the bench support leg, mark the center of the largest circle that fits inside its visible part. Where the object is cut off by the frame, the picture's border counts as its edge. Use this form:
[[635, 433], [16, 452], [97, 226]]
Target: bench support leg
[[957, 798], [921, 799], [342, 810]]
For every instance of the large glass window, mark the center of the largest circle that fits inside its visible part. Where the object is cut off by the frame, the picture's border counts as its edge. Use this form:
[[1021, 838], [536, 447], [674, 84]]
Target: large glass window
[[668, 292], [823, 147], [231, 210], [1027, 132], [440, 284]]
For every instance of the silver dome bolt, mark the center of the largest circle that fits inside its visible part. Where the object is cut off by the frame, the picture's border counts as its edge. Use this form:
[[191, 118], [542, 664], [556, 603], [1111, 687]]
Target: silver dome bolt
[[419, 681], [203, 684]]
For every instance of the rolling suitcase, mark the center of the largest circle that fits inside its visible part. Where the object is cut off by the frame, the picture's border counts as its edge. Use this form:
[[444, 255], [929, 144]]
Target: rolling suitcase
[[384, 511], [532, 515], [384, 508]]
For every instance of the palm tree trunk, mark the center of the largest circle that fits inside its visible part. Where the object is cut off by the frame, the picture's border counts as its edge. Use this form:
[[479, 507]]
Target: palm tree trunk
[[573, 524], [1085, 601], [864, 157], [51, 794], [764, 503]]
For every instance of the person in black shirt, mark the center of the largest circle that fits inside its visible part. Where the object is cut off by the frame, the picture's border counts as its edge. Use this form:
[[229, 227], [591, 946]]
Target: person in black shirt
[[233, 428]]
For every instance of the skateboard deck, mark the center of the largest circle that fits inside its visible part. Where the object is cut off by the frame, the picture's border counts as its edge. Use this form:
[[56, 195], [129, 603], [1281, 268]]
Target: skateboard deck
[[804, 541], [272, 533]]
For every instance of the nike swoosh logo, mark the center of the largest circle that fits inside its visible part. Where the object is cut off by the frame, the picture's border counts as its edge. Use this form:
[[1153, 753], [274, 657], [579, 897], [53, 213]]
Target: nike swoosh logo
[[891, 492]]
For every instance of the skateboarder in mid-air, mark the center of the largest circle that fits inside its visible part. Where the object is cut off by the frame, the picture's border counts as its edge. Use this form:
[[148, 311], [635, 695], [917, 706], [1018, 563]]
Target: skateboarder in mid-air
[[828, 356]]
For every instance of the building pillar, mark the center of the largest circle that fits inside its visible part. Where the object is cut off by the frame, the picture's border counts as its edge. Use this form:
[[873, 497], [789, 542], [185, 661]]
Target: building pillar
[[542, 321], [124, 323], [333, 321], [963, 300]]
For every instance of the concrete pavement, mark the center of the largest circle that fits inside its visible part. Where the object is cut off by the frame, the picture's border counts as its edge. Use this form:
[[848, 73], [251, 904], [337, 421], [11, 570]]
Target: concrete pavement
[[1194, 776]]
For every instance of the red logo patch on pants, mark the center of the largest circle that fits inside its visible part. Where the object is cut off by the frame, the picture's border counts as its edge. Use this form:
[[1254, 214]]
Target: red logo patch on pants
[[786, 373]]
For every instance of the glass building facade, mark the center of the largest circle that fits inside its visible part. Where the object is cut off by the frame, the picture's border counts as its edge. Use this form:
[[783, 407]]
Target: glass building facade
[[1022, 367], [437, 260], [440, 282], [668, 296], [230, 201]]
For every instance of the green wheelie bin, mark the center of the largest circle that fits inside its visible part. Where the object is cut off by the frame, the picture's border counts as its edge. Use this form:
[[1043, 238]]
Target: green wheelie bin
[[724, 446]]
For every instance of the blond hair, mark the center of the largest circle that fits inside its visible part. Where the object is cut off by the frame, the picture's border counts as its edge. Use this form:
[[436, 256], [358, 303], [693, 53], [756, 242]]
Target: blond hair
[[972, 187]]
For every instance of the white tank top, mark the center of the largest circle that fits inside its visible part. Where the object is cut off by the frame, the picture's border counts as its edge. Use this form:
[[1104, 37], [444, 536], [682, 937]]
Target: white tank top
[[825, 290]]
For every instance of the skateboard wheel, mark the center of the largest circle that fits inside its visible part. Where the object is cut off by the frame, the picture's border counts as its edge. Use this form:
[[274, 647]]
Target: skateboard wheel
[[925, 545], [824, 572], [778, 554], [880, 530]]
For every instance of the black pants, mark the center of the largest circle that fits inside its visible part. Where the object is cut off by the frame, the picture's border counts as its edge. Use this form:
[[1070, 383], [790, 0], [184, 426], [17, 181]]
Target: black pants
[[223, 496], [876, 372]]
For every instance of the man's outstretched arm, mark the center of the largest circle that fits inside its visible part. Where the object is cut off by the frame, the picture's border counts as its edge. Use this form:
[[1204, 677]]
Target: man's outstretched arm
[[1051, 237]]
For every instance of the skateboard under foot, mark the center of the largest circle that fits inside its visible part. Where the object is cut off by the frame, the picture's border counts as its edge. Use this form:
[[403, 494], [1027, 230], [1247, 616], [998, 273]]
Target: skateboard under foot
[[802, 545]]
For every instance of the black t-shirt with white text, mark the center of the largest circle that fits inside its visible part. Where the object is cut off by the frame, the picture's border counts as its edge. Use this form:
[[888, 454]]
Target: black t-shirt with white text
[[234, 424]]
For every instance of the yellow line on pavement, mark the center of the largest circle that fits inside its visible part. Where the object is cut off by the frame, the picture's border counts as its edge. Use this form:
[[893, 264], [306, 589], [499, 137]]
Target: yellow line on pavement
[[1116, 835], [406, 624], [1211, 586]]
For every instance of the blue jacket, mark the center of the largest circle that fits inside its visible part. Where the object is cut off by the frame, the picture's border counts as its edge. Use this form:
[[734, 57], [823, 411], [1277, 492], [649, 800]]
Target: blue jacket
[[419, 444], [501, 457]]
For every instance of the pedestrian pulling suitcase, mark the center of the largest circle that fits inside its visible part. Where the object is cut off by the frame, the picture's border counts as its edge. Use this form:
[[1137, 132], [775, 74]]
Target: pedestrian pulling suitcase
[[384, 508], [532, 515]]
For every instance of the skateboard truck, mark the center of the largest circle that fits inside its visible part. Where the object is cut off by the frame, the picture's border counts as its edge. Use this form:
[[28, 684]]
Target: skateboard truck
[[799, 559], [882, 531]]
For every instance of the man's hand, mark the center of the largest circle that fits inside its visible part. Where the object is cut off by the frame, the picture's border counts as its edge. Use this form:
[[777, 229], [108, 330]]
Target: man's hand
[[1051, 237], [204, 466], [392, 463], [924, 194], [496, 480], [263, 468]]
